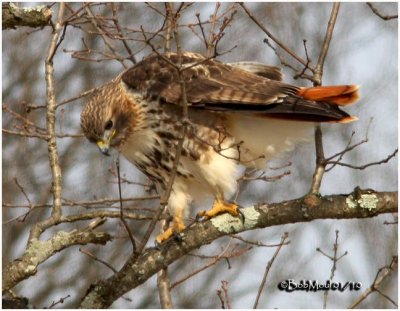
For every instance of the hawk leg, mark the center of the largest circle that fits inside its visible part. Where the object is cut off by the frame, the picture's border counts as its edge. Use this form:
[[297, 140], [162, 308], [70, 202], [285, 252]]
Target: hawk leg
[[176, 227], [220, 207]]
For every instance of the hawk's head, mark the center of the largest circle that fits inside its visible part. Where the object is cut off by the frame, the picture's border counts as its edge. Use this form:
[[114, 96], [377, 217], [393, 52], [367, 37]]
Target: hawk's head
[[107, 118]]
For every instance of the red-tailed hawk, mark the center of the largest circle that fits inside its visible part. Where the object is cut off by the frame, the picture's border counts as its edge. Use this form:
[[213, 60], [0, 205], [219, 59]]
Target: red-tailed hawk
[[241, 115]]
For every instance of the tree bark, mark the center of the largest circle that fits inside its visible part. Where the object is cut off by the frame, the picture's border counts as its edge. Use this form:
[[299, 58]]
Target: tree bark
[[359, 204], [15, 16]]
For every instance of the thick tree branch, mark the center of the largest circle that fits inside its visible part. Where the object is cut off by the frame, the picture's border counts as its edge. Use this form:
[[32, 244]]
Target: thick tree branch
[[39, 251], [361, 204], [14, 16]]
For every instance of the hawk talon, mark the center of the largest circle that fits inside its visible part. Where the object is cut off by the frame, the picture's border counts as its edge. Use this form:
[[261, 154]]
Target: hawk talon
[[173, 230], [201, 216], [177, 236], [220, 207], [242, 217], [157, 245], [198, 217]]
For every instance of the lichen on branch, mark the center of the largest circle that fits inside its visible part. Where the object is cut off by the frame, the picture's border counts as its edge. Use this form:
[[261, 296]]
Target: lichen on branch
[[15, 16]]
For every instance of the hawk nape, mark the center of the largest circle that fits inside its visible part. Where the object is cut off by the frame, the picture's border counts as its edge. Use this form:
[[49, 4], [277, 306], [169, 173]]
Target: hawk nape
[[241, 115]]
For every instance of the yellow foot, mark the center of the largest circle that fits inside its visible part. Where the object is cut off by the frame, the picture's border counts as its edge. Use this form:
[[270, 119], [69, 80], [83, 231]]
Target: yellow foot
[[220, 207], [175, 228]]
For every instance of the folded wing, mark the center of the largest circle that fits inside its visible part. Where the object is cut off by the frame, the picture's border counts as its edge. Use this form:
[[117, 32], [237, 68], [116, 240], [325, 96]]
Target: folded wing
[[237, 88]]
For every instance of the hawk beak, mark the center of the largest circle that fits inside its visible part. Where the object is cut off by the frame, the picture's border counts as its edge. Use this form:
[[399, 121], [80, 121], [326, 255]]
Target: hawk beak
[[104, 143], [104, 147]]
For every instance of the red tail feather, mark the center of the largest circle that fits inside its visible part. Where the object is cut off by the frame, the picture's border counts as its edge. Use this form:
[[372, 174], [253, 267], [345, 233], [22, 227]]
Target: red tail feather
[[341, 95]]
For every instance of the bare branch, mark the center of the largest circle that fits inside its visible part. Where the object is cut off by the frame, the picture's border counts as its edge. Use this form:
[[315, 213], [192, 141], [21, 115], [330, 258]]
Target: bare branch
[[273, 38], [89, 254], [319, 148], [131, 55], [164, 291], [268, 267], [362, 167], [379, 14], [335, 260], [214, 260], [223, 295], [169, 22], [126, 226], [59, 301], [257, 243], [319, 161], [52, 142], [325, 46], [107, 42], [381, 275]]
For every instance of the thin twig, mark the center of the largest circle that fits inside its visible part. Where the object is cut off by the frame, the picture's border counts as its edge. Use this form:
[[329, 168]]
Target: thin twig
[[96, 25], [202, 30], [273, 38], [268, 267], [335, 260], [131, 55], [213, 21], [61, 300], [319, 68], [362, 167], [122, 210], [302, 74], [284, 63], [381, 275], [168, 16], [67, 202], [319, 149], [89, 254], [214, 260], [377, 13], [223, 295], [257, 243]]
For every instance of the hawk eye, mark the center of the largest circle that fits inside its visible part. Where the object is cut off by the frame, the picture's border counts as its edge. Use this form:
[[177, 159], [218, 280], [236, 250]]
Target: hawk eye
[[109, 125]]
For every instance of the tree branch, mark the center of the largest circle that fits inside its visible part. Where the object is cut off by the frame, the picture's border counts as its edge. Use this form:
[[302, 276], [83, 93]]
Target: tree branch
[[103, 293], [15, 16], [39, 251], [325, 46], [273, 38], [52, 142], [381, 275], [319, 148], [379, 14]]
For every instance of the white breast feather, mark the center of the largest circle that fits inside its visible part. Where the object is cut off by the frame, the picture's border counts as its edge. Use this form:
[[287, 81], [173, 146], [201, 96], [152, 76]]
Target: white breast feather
[[267, 137], [138, 144]]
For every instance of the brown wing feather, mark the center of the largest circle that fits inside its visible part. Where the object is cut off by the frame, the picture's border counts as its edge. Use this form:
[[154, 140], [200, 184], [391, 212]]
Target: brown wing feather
[[212, 85], [266, 71], [207, 81]]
